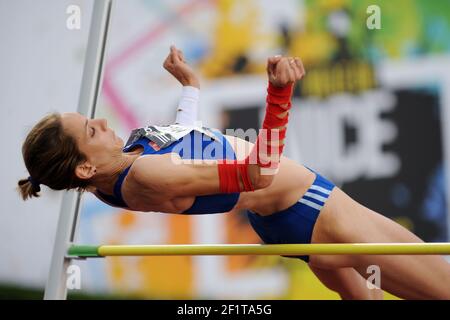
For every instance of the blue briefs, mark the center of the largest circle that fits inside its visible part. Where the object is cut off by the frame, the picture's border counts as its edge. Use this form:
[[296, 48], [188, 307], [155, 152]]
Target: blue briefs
[[296, 223]]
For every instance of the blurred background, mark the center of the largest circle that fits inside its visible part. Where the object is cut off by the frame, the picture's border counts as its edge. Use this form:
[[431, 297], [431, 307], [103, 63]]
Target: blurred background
[[372, 115]]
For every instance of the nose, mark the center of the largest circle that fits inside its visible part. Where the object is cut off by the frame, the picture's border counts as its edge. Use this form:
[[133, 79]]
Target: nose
[[103, 123]]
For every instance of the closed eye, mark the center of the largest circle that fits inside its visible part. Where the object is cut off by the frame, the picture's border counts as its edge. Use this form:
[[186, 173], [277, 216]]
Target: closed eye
[[93, 132]]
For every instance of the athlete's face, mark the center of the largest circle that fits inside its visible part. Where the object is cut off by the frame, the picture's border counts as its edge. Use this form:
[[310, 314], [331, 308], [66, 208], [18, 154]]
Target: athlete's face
[[98, 142]]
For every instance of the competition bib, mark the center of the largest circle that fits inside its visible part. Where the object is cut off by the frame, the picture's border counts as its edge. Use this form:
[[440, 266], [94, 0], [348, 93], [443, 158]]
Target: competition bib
[[164, 136]]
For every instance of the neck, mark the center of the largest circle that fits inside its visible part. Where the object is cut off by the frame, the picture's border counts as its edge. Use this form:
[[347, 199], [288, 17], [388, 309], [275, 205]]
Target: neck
[[106, 179]]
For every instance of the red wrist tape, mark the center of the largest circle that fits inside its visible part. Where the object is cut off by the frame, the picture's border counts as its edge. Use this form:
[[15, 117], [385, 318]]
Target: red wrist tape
[[229, 171], [271, 119], [269, 145], [279, 95]]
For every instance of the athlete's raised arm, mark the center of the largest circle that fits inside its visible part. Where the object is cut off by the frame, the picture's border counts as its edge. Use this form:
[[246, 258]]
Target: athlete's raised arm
[[168, 174], [187, 109]]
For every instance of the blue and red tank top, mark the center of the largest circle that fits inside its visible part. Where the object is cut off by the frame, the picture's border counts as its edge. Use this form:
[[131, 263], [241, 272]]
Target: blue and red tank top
[[200, 143]]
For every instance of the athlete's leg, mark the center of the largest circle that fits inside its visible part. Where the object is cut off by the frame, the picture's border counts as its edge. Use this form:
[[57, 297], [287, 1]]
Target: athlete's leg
[[377, 293], [343, 220], [347, 282]]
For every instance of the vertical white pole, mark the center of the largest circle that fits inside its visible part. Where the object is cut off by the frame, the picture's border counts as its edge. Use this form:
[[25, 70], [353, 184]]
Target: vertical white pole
[[90, 88]]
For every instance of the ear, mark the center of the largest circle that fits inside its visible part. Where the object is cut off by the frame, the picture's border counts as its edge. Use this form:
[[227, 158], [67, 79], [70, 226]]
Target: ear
[[85, 170]]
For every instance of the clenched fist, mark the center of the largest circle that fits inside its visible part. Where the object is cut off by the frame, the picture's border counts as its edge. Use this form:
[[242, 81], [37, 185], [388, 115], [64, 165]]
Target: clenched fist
[[284, 70], [177, 66]]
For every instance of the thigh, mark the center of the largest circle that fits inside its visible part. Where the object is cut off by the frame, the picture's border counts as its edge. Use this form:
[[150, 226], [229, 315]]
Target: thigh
[[407, 276], [347, 282], [343, 220]]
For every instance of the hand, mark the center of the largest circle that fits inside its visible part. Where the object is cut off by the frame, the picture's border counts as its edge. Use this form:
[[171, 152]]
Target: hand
[[284, 70], [177, 66]]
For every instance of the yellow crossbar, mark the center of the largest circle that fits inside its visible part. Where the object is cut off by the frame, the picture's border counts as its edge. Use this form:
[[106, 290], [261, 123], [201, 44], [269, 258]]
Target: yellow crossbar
[[266, 249]]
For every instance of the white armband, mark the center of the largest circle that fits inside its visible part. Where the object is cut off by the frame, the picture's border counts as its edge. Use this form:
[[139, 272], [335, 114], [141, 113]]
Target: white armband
[[187, 107]]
